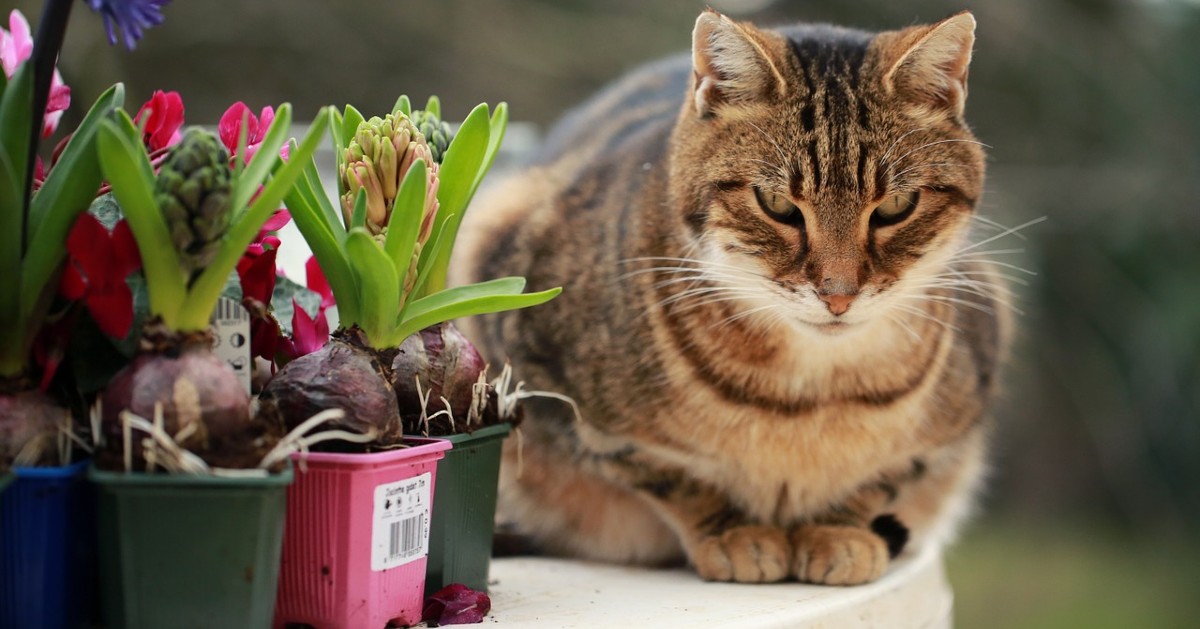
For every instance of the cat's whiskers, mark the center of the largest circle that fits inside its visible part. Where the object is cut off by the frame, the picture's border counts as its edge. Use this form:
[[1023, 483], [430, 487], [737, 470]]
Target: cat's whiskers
[[742, 315], [787, 164], [933, 165], [1008, 232], [925, 314], [891, 316], [927, 145], [895, 143], [987, 222]]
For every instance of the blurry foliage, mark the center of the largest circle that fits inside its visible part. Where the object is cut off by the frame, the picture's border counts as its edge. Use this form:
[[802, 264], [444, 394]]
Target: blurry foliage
[[1090, 107]]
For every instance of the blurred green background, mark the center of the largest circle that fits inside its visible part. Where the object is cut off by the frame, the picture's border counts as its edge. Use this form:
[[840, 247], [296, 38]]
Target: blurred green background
[[1092, 518]]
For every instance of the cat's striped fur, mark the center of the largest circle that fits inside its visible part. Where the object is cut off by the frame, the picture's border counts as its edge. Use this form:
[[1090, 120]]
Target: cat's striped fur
[[777, 375]]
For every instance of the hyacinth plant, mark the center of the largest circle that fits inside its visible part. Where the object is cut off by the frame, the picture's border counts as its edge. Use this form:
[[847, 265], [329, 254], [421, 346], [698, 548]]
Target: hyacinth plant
[[192, 223], [37, 211], [404, 182]]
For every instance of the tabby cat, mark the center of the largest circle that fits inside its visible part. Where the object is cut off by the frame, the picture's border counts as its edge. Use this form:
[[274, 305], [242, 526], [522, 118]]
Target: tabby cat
[[779, 339]]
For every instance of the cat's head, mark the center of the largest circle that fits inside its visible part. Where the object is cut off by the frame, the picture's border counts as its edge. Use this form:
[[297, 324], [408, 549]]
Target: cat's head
[[829, 170]]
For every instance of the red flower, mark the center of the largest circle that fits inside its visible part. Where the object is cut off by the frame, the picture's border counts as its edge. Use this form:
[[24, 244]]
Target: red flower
[[456, 604], [315, 279], [164, 113], [256, 270], [97, 264], [230, 127]]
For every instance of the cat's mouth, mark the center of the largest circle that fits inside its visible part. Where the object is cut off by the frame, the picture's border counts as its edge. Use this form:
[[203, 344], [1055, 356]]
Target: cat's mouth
[[833, 327]]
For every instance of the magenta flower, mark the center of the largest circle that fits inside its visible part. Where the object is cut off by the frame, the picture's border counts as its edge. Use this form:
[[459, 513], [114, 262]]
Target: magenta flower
[[456, 604], [230, 127], [16, 44], [164, 116], [97, 265], [316, 282], [309, 334], [131, 16]]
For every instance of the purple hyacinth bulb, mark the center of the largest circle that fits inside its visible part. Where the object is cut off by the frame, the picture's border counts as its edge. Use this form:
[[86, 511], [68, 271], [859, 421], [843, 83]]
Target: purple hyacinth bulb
[[131, 16]]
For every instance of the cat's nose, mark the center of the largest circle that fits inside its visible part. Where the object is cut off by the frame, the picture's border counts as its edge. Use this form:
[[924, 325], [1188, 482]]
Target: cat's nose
[[838, 303], [837, 293]]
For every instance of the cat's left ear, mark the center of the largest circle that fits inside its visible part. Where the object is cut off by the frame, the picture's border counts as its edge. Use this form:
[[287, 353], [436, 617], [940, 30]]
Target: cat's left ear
[[927, 65], [732, 63]]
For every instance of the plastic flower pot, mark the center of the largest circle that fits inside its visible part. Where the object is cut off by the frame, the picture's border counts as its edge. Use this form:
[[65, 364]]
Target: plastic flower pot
[[47, 548], [357, 537], [460, 537], [189, 551]]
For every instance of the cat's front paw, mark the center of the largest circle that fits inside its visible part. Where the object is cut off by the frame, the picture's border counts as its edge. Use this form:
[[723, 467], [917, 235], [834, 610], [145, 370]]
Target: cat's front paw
[[745, 554], [837, 555]]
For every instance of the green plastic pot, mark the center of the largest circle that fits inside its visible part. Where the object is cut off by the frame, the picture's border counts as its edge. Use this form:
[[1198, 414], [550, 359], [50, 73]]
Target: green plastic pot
[[460, 530], [189, 551]]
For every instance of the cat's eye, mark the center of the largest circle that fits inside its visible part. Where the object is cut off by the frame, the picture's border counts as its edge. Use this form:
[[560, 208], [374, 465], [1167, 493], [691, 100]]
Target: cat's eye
[[777, 206], [896, 208]]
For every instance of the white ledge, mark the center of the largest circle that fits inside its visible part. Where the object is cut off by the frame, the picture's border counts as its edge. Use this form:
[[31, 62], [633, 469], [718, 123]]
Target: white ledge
[[538, 592]]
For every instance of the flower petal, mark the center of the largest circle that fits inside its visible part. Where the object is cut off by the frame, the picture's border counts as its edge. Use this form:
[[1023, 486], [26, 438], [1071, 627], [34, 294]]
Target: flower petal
[[230, 125], [309, 334], [73, 284], [126, 257], [257, 274], [112, 309], [456, 604], [316, 282]]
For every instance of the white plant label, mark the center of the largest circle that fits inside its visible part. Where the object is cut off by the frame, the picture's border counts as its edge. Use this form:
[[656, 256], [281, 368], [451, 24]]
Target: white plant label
[[231, 324], [400, 527]]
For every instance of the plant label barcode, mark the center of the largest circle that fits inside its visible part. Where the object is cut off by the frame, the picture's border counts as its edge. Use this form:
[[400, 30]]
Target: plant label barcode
[[406, 536], [231, 327], [400, 529]]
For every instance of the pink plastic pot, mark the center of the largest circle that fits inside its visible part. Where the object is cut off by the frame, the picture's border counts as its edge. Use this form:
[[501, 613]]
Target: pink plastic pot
[[356, 538]]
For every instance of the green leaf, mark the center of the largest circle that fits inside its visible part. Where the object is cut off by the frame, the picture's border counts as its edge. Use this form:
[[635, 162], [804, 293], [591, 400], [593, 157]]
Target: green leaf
[[379, 287], [424, 263], [13, 343], [125, 166], [403, 106], [471, 306], [359, 217], [498, 125], [328, 250], [434, 106], [347, 125], [441, 299], [207, 288], [457, 174], [16, 119], [247, 183], [405, 223], [350, 121], [68, 192], [315, 191]]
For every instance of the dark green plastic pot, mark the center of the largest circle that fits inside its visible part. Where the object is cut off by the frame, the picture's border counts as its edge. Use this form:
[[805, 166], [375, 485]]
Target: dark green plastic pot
[[189, 551], [460, 531]]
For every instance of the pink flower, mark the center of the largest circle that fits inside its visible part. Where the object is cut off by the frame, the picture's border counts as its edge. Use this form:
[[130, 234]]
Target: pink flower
[[16, 44], [230, 127], [316, 282], [266, 236], [97, 264], [309, 334], [164, 116]]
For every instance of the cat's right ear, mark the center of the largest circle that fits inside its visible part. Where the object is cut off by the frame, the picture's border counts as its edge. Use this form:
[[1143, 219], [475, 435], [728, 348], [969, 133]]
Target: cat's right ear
[[731, 63]]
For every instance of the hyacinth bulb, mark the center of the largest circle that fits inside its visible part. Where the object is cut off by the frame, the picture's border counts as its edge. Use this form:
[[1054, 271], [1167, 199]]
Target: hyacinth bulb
[[376, 160]]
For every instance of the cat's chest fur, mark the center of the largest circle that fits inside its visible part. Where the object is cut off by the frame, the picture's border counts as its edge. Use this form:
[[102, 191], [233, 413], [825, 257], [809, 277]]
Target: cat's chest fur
[[809, 427]]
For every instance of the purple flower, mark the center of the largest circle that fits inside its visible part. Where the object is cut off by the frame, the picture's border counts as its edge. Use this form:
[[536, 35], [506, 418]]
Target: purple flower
[[131, 16]]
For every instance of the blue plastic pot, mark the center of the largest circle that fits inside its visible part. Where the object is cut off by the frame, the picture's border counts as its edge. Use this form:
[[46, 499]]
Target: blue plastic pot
[[47, 548]]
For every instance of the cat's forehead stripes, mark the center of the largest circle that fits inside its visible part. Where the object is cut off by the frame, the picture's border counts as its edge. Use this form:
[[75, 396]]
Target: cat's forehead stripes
[[833, 112]]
